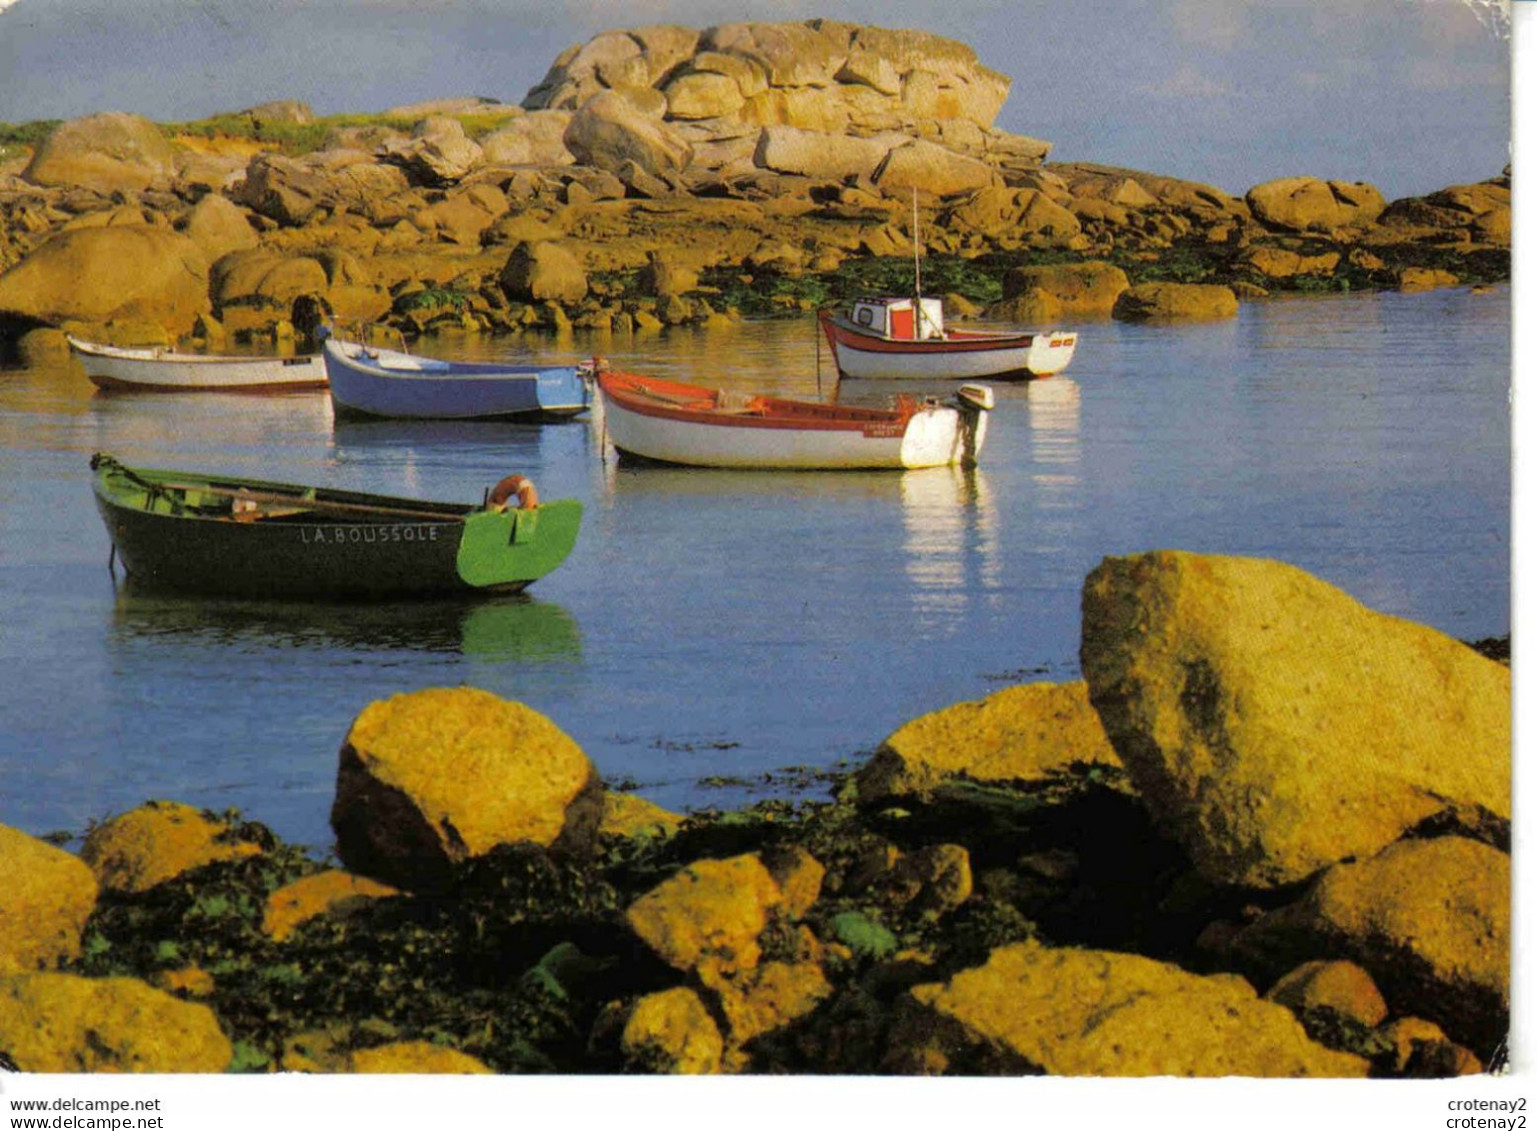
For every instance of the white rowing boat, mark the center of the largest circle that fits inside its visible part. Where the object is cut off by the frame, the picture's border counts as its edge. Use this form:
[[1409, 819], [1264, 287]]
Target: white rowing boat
[[671, 422], [165, 370]]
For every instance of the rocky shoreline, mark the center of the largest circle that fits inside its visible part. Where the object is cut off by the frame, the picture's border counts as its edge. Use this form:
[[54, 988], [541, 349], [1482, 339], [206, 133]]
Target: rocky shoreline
[[669, 176], [1267, 835]]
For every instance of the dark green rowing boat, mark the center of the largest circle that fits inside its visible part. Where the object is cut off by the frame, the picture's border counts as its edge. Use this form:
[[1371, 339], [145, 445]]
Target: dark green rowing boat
[[219, 534]]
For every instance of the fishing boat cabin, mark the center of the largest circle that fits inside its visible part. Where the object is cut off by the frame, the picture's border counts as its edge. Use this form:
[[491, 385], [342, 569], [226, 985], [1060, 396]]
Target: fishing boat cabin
[[904, 319]]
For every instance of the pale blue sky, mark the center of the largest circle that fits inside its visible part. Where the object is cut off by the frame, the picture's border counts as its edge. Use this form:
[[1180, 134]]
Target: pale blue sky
[[1411, 95]]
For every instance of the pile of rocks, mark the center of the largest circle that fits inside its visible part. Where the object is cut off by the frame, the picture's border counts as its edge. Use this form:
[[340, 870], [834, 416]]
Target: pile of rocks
[[762, 149], [1267, 835]]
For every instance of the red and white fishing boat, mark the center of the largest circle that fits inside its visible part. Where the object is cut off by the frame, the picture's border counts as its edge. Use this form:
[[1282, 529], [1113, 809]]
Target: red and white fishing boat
[[671, 422], [897, 338], [171, 371]]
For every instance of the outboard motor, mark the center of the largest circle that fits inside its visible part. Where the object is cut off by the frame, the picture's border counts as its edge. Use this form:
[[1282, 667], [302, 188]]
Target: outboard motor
[[974, 402], [979, 398]]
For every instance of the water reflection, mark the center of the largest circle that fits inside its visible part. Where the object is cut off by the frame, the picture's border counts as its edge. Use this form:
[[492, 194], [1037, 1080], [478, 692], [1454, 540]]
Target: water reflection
[[514, 628], [351, 437], [1055, 409], [1055, 412], [952, 554], [457, 461], [213, 431], [629, 480]]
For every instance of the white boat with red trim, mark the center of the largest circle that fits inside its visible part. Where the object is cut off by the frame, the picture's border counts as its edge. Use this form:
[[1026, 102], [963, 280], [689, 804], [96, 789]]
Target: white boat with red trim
[[906, 338], [671, 422]]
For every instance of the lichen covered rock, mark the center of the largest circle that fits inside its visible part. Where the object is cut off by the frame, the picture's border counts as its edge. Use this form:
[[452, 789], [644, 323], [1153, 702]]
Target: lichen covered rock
[[673, 1032], [1428, 919], [429, 779], [421, 1057], [1175, 301], [627, 815], [1341, 989], [1020, 734], [332, 892], [158, 842], [102, 274], [1076, 1012], [64, 1023], [46, 896], [711, 912], [1273, 725]]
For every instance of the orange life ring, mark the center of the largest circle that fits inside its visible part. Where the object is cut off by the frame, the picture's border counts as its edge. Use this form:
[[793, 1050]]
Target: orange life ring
[[519, 485]]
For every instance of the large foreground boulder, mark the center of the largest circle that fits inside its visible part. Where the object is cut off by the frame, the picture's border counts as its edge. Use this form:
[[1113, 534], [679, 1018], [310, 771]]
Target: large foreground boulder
[[432, 778], [1070, 1012], [105, 274], [1274, 725], [64, 1023], [46, 895], [105, 152]]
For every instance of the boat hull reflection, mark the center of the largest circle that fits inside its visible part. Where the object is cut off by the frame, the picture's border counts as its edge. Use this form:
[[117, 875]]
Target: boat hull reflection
[[512, 628]]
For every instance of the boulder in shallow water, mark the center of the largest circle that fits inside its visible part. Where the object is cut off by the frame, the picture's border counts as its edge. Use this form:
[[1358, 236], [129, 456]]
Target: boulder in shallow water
[[1274, 725], [1149, 302], [1065, 290]]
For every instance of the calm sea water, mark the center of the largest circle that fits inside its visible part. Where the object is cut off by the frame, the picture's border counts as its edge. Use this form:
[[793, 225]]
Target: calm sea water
[[714, 630]]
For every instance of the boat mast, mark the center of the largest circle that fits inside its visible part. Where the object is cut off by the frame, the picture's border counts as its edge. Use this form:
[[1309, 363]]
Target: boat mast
[[917, 267]]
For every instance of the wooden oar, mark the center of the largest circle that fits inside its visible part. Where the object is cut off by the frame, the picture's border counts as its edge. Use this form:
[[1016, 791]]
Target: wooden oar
[[324, 505]]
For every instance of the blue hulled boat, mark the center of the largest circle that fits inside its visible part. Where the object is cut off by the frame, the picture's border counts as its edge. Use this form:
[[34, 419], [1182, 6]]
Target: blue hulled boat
[[369, 382]]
